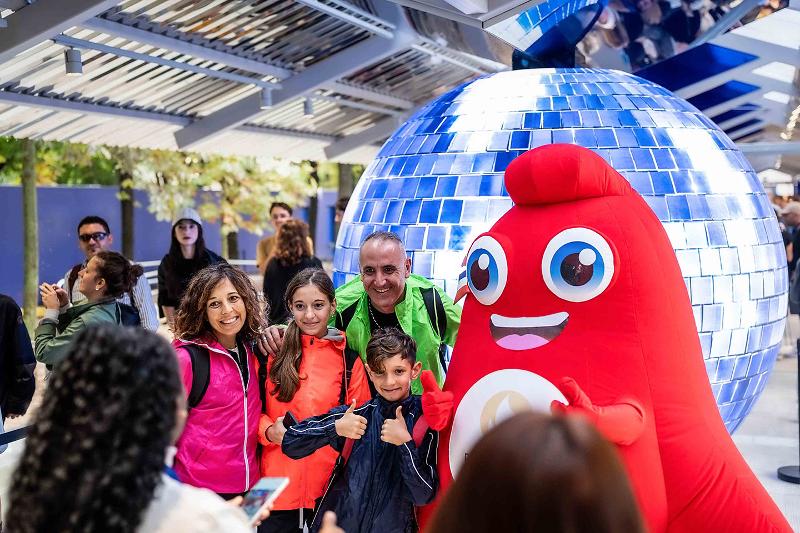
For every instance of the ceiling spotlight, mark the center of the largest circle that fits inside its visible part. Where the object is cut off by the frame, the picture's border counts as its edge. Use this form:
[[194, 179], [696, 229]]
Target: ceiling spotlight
[[308, 108], [266, 98], [72, 62]]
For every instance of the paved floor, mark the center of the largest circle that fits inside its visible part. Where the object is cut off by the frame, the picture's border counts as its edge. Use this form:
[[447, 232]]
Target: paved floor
[[768, 437]]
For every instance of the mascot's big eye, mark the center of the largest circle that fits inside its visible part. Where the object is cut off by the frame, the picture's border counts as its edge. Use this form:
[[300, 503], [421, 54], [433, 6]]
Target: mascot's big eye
[[577, 265], [487, 269]]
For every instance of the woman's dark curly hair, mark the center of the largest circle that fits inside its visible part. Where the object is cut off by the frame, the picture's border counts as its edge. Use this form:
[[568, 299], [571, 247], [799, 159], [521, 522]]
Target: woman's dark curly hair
[[292, 242], [191, 319], [120, 275], [95, 454]]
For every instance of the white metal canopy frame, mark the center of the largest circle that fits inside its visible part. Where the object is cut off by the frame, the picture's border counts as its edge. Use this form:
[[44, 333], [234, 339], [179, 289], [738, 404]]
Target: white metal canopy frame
[[339, 75]]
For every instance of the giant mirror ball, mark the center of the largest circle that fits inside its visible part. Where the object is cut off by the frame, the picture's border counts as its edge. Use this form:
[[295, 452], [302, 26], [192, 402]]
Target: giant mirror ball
[[438, 183]]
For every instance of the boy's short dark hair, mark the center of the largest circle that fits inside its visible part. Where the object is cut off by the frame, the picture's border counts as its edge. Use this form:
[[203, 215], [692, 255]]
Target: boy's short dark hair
[[93, 219], [282, 205], [385, 344]]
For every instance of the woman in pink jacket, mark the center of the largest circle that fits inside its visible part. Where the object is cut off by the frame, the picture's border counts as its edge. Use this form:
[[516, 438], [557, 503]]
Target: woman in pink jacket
[[215, 327]]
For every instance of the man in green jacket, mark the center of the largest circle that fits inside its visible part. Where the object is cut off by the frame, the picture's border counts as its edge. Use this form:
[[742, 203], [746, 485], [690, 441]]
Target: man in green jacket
[[387, 294]]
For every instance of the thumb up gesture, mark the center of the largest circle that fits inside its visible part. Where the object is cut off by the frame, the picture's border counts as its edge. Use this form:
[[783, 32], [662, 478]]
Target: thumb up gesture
[[437, 406], [394, 430], [351, 425]]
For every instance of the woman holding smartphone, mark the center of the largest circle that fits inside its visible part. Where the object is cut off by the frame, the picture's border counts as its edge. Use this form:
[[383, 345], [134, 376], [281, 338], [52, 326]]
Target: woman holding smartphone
[[215, 327], [94, 460]]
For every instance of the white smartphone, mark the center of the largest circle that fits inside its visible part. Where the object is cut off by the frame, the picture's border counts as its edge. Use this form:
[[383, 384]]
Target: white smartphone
[[262, 494]]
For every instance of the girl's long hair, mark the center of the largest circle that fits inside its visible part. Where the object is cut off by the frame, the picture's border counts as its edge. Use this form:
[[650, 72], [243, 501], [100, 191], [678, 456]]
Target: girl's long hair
[[285, 371], [292, 242], [191, 319], [95, 454]]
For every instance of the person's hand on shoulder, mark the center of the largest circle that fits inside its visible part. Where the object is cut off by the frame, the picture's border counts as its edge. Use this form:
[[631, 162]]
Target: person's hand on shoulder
[[272, 340], [351, 425]]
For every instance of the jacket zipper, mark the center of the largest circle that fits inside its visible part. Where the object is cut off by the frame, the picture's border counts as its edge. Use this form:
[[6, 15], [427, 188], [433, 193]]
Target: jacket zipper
[[244, 394]]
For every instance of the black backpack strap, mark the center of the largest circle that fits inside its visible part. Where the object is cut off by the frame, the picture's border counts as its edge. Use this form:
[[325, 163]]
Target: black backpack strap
[[72, 278], [438, 318], [344, 317], [350, 357], [262, 377], [201, 373]]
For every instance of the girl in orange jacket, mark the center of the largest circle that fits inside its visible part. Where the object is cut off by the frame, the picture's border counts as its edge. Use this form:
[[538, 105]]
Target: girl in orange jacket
[[310, 375]]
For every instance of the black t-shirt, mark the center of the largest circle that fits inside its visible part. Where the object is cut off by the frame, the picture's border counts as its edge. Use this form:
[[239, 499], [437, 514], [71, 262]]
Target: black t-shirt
[[240, 356], [378, 320]]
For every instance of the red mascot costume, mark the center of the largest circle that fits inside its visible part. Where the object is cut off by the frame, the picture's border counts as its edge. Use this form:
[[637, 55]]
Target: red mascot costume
[[576, 303]]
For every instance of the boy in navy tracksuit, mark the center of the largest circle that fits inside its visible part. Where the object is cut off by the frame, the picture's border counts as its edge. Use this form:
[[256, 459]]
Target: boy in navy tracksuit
[[386, 473]]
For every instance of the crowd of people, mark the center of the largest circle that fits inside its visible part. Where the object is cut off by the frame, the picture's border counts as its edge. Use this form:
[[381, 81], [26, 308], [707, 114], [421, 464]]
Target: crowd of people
[[647, 31], [337, 390]]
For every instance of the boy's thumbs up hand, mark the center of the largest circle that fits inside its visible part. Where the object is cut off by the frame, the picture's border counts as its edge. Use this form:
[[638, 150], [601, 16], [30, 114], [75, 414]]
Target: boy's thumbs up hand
[[437, 406], [394, 430], [351, 425]]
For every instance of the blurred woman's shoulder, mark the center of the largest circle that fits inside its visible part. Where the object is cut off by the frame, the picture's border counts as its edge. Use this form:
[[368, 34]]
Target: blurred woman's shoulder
[[180, 507]]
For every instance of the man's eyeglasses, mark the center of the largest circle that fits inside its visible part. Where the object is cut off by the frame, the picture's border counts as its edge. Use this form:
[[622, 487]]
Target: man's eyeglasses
[[99, 236]]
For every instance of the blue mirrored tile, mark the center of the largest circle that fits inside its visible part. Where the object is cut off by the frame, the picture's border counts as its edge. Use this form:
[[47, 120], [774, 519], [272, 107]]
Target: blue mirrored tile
[[393, 212], [463, 163], [502, 161], [422, 264], [729, 257], [378, 211], [712, 317], [659, 206], [366, 214], [425, 187], [625, 138], [732, 316], [725, 371], [756, 285], [663, 159], [437, 238], [429, 144], [662, 182], [446, 186], [474, 211], [641, 182], [411, 212], [468, 186], [532, 121], [709, 262], [702, 290], [499, 207], [563, 137], [645, 137], [698, 207], [643, 159], [716, 232], [483, 163], [429, 214], [739, 346], [711, 367], [747, 262], [741, 288], [705, 346], [540, 138], [695, 234], [458, 237], [513, 121], [678, 208], [443, 142], [762, 311], [605, 138], [621, 159], [415, 237], [551, 120], [426, 165], [491, 185], [720, 343], [459, 142], [451, 211], [443, 164], [723, 289], [398, 230], [520, 140], [560, 103]]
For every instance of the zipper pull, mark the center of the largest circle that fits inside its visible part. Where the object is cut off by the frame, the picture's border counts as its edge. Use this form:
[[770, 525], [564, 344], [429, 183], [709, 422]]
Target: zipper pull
[[312, 341]]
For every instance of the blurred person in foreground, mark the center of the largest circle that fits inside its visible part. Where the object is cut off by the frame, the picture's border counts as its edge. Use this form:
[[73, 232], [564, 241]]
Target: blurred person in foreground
[[543, 474], [95, 458]]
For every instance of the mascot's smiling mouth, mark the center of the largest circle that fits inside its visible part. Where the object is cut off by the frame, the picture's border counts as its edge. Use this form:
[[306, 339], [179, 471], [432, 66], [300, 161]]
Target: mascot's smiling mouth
[[525, 333]]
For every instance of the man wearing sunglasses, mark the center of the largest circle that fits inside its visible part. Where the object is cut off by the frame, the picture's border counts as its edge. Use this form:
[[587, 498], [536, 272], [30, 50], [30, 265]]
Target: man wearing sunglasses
[[94, 236]]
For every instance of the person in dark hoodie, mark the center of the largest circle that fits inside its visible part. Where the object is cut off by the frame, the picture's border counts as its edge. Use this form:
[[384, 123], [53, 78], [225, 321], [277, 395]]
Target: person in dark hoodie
[[384, 472], [16, 361], [186, 257]]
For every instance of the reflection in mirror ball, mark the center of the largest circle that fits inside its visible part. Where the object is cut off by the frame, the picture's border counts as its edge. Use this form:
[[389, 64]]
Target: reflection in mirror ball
[[438, 183]]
